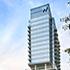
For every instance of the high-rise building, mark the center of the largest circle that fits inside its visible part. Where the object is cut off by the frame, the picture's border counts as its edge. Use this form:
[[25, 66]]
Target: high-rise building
[[44, 48]]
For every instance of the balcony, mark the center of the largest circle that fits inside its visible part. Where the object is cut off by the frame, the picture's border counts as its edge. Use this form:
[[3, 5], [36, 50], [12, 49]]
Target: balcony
[[28, 27], [29, 43], [29, 52], [29, 59], [55, 30], [55, 34], [29, 47], [29, 55], [29, 39], [29, 35]]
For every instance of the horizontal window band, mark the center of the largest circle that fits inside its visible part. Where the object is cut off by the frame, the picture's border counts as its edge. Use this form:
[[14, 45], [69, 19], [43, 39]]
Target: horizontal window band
[[40, 23], [40, 14], [38, 49], [40, 28], [36, 11], [39, 32], [40, 57], [40, 40], [40, 52], [45, 17], [39, 36], [40, 60], [41, 44]]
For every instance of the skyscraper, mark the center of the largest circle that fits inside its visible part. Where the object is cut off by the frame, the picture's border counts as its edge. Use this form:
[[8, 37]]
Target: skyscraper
[[44, 48]]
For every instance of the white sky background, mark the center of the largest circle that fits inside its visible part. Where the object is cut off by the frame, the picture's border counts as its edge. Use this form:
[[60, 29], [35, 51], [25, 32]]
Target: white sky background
[[14, 17]]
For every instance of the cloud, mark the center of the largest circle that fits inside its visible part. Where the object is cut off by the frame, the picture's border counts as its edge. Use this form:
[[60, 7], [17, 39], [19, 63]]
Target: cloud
[[31, 2], [15, 56], [13, 51], [35, 3], [15, 62], [9, 3], [65, 66], [10, 29]]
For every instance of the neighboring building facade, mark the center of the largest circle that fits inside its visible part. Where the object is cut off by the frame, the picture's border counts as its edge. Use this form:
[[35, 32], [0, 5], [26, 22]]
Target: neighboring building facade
[[44, 48]]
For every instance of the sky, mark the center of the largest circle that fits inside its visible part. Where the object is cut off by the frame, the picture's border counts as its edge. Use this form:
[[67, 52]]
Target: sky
[[14, 18]]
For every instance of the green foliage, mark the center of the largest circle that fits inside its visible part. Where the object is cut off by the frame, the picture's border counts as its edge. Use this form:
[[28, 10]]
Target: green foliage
[[67, 50]]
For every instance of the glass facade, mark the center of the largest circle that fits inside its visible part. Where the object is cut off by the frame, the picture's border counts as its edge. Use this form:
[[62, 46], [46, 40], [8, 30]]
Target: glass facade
[[40, 35], [42, 32]]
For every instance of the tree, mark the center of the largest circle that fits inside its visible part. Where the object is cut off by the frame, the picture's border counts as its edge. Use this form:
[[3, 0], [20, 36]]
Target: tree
[[68, 51]]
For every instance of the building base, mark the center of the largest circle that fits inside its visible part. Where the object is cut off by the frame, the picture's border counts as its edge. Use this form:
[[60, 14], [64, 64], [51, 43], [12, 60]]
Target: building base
[[43, 66]]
